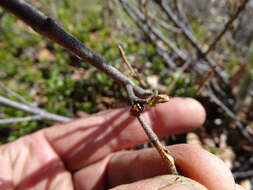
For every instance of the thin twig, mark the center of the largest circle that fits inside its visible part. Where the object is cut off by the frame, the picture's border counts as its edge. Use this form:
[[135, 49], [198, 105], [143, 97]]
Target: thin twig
[[134, 74], [189, 36], [229, 113], [243, 174], [123, 56], [181, 13], [166, 26], [147, 28], [132, 96], [163, 53], [204, 80], [33, 110], [166, 8], [227, 26], [16, 95], [21, 119], [49, 28], [162, 150]]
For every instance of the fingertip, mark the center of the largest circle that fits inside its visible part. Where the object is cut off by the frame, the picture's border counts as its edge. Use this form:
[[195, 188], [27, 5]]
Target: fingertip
[[179, 115], [203, 167], [195, 163], [195, 107]]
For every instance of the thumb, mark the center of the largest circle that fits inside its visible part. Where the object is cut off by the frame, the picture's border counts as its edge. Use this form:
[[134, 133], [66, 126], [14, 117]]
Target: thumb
[[165, 182]]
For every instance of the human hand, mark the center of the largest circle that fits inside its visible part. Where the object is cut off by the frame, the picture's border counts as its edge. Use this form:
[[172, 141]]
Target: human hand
[[83, 154]]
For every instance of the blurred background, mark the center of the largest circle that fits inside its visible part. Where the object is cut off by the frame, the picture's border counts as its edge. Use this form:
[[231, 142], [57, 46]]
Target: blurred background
[[199, 48]]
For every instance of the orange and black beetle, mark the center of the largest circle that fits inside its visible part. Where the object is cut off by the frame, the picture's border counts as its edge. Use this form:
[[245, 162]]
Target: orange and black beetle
[[137, 109]]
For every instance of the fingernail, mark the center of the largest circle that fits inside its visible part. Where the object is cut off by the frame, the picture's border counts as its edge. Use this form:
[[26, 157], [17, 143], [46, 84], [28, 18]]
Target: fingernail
[[178, 187]]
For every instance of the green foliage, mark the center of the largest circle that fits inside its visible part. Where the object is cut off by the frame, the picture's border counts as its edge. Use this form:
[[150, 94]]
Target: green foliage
[[179, 85]]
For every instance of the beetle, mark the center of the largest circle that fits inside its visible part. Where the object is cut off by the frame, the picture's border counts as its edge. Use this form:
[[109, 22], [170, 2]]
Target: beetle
[[137, 109]]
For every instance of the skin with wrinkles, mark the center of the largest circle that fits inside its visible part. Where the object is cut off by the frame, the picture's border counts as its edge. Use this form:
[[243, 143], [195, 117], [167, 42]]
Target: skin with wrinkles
[[86, 154]]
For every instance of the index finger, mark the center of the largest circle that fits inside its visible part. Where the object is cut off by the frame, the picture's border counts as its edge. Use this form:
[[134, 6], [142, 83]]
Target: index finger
[[85, 141]]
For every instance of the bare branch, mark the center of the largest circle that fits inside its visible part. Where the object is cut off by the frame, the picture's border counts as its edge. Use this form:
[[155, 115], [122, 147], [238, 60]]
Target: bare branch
[[14, 94], [134, 74], [132, 96], [227, 26], [188, 35], [204, 80], [33, 110], [123, 56], [21, 119], [243, 174], [166, 26], [164, 5], [47, 27], [229, 113], [147, 28], [162, 150], [181, 14]]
